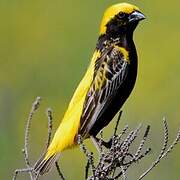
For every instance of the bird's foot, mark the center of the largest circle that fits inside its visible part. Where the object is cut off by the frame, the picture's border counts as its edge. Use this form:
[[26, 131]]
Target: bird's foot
[[98, 142], [107, 144]]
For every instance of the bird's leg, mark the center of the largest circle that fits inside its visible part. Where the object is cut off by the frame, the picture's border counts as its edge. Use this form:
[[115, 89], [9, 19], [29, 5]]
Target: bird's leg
[[95, 141], [107, 144]]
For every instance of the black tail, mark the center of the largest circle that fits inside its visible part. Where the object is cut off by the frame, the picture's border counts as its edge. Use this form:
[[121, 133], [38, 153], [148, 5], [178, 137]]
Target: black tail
[[43, 165]]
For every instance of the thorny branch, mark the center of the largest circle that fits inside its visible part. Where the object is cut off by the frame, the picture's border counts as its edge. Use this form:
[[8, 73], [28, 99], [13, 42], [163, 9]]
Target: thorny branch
[[113, 162], [25, 150]]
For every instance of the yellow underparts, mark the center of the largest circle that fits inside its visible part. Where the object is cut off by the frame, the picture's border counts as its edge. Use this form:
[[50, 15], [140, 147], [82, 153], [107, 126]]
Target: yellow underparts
[[68, 128], [112, 11]]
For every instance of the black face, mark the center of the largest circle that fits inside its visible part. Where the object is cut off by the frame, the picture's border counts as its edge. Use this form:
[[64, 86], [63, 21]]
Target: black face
[[122, 19], [124, 23]]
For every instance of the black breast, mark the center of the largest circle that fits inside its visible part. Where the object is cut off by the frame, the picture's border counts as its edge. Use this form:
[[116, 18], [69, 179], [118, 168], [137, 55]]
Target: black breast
[[121, 96]]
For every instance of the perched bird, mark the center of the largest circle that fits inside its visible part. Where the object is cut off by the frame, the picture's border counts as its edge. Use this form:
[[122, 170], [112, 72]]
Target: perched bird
[[105, 86]]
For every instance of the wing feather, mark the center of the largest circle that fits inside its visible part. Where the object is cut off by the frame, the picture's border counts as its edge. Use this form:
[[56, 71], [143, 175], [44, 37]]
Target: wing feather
[[110, 72]]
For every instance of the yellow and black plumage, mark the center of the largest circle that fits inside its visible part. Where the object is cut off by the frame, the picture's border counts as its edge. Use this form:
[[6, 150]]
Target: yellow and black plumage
[[106, 85]]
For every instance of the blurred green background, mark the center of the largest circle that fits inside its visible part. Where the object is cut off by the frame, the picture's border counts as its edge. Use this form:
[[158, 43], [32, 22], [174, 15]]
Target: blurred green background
[[45, 47]]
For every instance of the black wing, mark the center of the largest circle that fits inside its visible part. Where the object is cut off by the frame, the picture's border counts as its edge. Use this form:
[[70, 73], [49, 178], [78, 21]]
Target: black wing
[[110, 71]]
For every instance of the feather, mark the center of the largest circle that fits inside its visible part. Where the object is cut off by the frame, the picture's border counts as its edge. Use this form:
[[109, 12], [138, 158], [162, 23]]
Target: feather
[[44, 165], [110, 72]]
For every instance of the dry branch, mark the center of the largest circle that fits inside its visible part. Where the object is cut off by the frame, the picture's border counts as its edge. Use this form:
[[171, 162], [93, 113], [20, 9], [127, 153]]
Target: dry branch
[[116, 156]]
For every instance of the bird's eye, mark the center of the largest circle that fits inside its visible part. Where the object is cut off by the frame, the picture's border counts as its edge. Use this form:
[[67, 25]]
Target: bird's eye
[[122, 15]]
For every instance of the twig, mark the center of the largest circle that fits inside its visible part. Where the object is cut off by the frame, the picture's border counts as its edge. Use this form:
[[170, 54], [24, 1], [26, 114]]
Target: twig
[[117, 123], [29, 169], [86, 170], [123, 172], [49, 116], [59, 171], [142, 143], [163, 152], [114, 160], [34, 108]]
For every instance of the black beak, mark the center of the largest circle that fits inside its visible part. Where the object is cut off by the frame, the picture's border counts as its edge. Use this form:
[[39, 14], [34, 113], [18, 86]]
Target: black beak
[[136, 16]]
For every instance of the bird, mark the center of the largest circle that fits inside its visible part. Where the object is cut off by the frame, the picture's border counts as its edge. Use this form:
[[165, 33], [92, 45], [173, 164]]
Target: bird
[[106, 85]]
